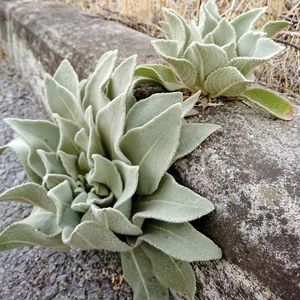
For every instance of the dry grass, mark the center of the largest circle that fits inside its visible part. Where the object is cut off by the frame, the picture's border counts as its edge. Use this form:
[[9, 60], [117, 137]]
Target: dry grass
[[281, 74]]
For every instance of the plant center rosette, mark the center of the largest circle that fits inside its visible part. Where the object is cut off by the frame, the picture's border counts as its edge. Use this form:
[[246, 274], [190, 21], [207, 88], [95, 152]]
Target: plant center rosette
[[99, 177]]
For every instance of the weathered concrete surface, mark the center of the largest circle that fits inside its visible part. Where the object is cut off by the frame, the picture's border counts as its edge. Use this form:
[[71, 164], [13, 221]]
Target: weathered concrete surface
[[250, 170]]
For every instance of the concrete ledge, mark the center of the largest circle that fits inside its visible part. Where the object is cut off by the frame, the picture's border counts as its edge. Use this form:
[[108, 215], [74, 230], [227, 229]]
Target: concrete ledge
[[251, 170]]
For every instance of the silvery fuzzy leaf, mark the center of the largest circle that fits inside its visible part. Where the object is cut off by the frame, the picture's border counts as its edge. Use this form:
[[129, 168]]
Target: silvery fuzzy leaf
[[94, 94], [247, 43], [171, 202], [101, 202], [180, 241], [159, 73], [226, 81], [29, 193], [52, 180], [51, 162], [66, 76], [213, 9], [121, 78], [139, 274], [70, 163], [224, 33], [191, 136], [195, 34], [168, 50], [94, 140], [81, 139], [207, 58], [80, 204], [89, 235], [110, 123], [35, 163], [172, 273], [106, 172], [276, 105], [83, 163], [62, 102], [273, 27], [230, 50], [178, 32], [158, 141], [115, 221], [38, 134], [166, 28], [62, 196], [130, 177], [209, 39], [20, 147], [20, 235], [207, 22], [266, 48], [67, 132], [42, 221], [245, 22], [246, 64], [82, 86], [188, 104], [147, 109]]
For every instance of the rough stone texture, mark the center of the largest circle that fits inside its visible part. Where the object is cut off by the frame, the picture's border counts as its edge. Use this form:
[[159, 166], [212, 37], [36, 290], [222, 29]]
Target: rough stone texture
[[251, 172], [250, 169]]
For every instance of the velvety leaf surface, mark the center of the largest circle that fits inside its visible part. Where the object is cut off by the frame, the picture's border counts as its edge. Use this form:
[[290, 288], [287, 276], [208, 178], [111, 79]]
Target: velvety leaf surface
[[115, 221], [207, 58], [276, 105], [130, 177], [110, 123], [147, 109], [226, 81], [160, 73], [180, 241], [246, 21], [37, 133], [139, 274], [66, 76], [158, 141], [90, 235], [20, 235], [172, 273], [172, 203], [169, 51], [29, 193], [121, 78], [273, 27]]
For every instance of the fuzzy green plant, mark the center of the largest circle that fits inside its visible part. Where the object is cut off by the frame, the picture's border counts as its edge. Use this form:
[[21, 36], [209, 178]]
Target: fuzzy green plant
[[217, 56], [100, 181]]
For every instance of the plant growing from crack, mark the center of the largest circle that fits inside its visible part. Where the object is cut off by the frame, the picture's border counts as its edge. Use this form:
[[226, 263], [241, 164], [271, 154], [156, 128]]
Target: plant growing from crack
[[99, 178], [217, 56]]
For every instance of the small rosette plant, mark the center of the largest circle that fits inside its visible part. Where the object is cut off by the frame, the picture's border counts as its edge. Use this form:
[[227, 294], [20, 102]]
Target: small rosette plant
[[217, 56], [99, 177]]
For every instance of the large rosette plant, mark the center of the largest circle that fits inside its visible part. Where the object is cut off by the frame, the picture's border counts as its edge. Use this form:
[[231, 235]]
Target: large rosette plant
[[99, 177], [218, 56]]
